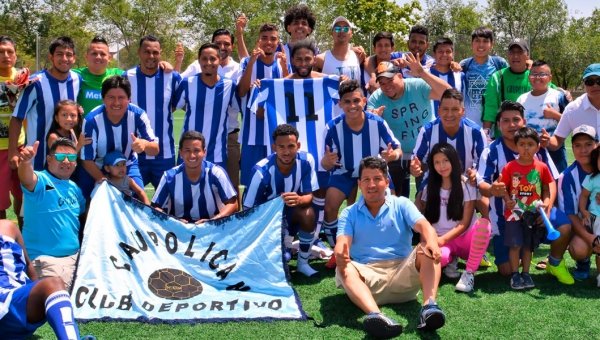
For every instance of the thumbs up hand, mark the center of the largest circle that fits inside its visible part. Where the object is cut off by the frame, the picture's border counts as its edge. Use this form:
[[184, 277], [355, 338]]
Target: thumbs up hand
[[499, 188], [389, 154], [139, 144], [416, 168], [27, 153]]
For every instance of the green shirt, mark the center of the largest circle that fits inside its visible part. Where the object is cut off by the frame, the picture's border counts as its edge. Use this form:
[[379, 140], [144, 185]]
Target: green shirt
[[90, 91]]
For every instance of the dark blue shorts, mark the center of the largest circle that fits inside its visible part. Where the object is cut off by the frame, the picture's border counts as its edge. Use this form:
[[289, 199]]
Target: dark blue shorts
[[152, 170], [14, 324]]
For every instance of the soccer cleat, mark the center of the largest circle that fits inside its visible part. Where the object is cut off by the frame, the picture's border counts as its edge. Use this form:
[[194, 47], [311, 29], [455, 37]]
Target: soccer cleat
[[431, 317], [582, 270], [331, 262], [451, 269], [527, 281], [485, 262], [380, 326], [560, 272], [516, 281], [466, 282]]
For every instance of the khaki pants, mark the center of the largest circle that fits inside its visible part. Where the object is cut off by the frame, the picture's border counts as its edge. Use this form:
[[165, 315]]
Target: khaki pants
[[50, 266], [390, 281]]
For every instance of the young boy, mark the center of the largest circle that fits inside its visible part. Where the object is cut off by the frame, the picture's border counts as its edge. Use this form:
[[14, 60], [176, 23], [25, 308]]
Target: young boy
[[529, 185], [289, 173], [543, 107], [349, 138], [443, 53], [115, 166]]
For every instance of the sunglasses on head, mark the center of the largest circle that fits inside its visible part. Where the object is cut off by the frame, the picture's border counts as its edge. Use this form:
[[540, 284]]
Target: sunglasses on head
[[338, 29], [72, 157], [592, 81]]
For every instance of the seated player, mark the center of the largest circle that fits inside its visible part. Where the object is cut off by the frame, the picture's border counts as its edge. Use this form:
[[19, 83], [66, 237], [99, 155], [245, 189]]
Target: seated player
[[26, 303], [197, 190], [288, 173]]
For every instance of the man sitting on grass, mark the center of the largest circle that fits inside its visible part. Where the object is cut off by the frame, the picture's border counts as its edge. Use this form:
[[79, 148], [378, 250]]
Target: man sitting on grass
[[375, 261]]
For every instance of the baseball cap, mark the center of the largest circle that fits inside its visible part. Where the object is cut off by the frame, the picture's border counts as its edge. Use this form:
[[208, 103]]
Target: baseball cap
[[519, 42], [113, 158], [386, 69], [340, 19], [591, 70], [584, 130]]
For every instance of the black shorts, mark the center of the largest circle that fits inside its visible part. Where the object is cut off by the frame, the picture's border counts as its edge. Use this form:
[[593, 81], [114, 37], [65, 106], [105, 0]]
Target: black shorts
[[525, 232]]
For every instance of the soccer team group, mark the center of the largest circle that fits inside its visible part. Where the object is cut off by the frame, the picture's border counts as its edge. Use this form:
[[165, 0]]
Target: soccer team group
[[484, 139]]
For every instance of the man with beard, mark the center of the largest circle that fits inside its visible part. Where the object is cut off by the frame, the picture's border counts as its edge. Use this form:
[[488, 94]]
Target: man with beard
[[207, 97], [37, 102], [153, 90]]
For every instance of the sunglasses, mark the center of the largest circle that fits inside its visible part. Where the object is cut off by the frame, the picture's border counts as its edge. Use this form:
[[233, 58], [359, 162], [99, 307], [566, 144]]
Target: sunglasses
[[591, 81], [338, 29], [72, 157], [538, 75]]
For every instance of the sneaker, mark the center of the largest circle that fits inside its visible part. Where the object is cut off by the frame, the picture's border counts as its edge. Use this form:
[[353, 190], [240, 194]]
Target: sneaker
[[516, 281], [485, 262], [431, 317], [451, 269], [380, 326], [287, 255], [331, 262], [582, 271], [560, 272], [527, 281], [466, 282]]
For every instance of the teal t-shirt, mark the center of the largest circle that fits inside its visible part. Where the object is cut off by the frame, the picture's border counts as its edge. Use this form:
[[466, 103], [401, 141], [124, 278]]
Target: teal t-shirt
[[90, 91], [51, 215], [407, 114]]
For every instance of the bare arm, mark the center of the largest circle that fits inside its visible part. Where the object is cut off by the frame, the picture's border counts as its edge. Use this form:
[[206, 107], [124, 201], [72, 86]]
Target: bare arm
[[14, 130], [93, 170], [342, 251], [240, 25], [438, 86], [429, 235], [139, 192], [555, 142], [27, 176]]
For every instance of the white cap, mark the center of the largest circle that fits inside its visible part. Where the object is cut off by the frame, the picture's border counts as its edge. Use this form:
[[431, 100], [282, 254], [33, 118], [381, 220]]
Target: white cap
[[340, 19]]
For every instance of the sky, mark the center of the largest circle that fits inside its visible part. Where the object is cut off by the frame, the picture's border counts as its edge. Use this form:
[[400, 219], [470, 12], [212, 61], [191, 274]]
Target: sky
[[577, 8]]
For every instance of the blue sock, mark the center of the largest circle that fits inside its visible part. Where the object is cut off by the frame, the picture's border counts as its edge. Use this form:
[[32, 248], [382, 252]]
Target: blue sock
[[583, 265], [330, 231], [553, 261], [59, 313]]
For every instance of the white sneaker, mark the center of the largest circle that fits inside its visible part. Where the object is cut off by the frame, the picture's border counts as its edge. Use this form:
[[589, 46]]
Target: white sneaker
[[451, 270], [598, 279], [466, 282]]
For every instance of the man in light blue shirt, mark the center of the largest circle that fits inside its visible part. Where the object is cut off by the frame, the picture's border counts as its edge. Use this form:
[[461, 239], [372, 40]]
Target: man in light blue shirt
[[375, 261]]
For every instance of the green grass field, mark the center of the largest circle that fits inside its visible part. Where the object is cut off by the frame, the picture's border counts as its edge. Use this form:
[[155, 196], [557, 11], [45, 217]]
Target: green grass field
[[493, 311]]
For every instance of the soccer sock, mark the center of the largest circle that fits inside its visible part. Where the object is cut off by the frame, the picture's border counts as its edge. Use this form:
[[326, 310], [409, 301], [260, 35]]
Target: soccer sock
[[59, 313], [479, 244], [330, 231], [583, 265], [319, 208], [306, 239], [553, 261]]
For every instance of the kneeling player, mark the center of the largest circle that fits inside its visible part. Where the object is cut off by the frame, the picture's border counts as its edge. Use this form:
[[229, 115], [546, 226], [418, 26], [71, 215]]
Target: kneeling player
[[290, 173]]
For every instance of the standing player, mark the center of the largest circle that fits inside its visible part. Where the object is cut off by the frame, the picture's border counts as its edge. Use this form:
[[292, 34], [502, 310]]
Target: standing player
[[207, 97], [299, 22], [351, 137], [264, 63], [418, 43], [197, 190], [289, 173], [443, 52], [383, 45], [153, 90], [38, 100], [478, 69]]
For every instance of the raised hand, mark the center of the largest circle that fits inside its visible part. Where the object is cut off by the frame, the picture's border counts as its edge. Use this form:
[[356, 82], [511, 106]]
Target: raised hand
[[139, 144], [330, 159], [416, 168], [27, 153]]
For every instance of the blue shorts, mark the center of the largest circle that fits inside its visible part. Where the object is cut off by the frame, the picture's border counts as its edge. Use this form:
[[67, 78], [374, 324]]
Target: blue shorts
[[152, 170], [14, 324], [251, 154], [557, 217], [344, 182], [323, 179]]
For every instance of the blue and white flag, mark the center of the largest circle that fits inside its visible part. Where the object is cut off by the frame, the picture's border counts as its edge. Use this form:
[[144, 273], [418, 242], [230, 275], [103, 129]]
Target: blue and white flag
[[138, 264]]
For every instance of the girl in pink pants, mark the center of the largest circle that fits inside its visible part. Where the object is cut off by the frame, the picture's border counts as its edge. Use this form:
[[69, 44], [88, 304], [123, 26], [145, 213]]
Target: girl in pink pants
[[449, 205]]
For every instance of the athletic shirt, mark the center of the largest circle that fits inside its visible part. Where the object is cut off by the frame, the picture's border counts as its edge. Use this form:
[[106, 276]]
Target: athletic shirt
[[469, 141], [253, 129], [352, 146], [206, 112], [569, 188], [6, 111], [90, 94], [268, 182], [12, 271], [476, 79], [51, 214], [155, 94], [454, 79], [407, 114], [493, 159], [193, 201], [535, 105], [444, 224], [350, 67], [107, 137], [36, 104]]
